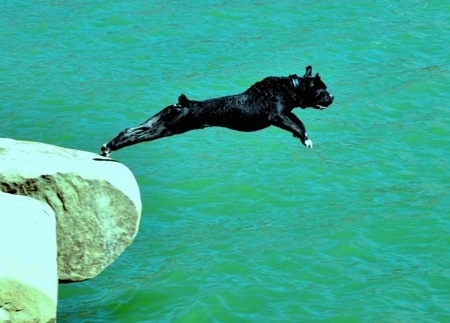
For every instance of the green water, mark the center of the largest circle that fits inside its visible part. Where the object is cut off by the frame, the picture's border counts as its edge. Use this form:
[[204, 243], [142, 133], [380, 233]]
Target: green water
[[252, 227]]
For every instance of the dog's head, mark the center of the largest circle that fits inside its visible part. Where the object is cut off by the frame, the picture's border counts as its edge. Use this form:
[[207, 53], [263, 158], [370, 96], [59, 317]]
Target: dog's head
[[313, 91]]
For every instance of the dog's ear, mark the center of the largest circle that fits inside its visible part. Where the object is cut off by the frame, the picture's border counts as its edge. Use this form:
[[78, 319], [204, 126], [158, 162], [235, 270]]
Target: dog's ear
[[317, 77], [308, 71]]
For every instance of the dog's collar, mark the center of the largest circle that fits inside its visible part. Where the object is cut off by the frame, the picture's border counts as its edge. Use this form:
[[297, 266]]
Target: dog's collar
[[295, 81]]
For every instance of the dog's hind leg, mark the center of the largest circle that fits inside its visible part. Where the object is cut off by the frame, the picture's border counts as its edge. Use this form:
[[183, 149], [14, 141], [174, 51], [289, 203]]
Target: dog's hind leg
[[290, 122], [171, 120]]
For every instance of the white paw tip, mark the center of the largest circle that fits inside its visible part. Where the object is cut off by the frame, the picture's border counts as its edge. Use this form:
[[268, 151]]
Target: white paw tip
[[308, 143], [105, 150]]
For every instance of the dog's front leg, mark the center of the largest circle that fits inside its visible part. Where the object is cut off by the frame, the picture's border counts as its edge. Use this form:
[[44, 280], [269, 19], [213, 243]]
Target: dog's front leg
[[290, 122]]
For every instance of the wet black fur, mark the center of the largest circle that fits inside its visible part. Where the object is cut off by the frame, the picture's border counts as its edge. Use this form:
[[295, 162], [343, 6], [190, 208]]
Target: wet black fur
[[266, 103]]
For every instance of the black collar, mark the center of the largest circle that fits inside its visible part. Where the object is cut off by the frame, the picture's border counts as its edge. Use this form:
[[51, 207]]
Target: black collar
[[295, 81]]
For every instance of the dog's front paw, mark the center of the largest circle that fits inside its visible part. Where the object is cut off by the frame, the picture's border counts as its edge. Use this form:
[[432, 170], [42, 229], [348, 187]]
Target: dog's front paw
[[308, 143]]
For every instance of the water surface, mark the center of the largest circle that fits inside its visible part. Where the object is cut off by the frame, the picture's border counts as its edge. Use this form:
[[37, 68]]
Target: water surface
[[252, 227]]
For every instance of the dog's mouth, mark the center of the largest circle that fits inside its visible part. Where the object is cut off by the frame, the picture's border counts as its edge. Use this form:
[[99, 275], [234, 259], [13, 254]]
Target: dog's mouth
[[320, 107]]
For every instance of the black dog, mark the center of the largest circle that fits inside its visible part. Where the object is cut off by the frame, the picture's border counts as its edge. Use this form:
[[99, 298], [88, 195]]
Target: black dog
[[266, 103]]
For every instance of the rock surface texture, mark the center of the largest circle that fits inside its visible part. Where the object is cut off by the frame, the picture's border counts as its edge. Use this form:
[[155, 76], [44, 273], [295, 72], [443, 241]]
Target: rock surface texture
[[96, 201], [28, 273]]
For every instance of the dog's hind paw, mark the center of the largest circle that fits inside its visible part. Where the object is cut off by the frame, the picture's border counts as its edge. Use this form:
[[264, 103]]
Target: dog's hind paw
[[308, 143], [105, 151]]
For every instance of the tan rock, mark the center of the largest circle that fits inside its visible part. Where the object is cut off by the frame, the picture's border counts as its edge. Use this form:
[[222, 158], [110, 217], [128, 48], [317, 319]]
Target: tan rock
[[96, 201]]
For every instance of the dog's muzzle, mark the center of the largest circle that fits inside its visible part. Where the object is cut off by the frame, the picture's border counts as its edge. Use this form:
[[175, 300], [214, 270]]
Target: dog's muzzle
[[324, 102]]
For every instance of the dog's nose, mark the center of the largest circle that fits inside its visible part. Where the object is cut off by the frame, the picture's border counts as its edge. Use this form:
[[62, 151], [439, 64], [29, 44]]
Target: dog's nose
[[331, 97]]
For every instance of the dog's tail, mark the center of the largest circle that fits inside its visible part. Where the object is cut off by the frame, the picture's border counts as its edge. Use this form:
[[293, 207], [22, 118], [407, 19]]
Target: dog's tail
[[183, 100]]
